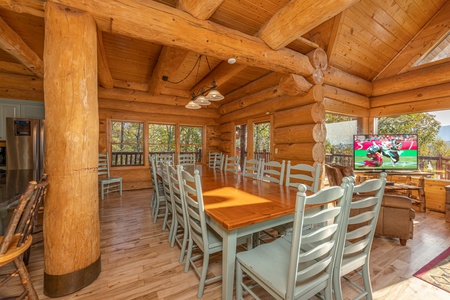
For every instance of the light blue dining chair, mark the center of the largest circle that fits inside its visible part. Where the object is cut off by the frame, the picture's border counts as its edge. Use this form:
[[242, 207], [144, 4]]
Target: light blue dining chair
[[355, 242], [301, 265], [252, 168], [309, 175], [186, 159], [231, 164], [180, 227], [200, 234], [158, 200], [273, 171]]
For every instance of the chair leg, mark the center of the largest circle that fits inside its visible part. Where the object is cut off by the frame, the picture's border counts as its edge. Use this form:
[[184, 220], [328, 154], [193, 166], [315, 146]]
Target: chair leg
[[201, 286], [337, 285], [188, 256], [239, 278], [184, 244], [366, 279], [173, 231], [166, 217], [25, 278], [156, 210]]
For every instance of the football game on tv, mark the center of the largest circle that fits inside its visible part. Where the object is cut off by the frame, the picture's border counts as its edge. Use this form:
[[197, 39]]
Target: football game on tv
[[385, 152]]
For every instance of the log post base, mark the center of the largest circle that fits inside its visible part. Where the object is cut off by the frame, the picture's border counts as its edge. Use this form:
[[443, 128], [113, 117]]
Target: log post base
[[62, 285]]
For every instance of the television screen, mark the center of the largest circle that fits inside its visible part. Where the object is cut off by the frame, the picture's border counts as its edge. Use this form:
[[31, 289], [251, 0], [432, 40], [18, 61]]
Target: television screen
[[385, 152]]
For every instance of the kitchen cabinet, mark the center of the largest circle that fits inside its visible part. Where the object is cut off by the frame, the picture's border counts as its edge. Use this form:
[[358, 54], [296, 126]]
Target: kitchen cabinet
[[19, 109]]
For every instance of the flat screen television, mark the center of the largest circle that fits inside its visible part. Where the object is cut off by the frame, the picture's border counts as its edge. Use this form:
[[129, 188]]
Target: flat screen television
[[385, 152]]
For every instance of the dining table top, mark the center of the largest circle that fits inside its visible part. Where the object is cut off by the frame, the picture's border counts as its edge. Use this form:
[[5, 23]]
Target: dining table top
[[235, 201]]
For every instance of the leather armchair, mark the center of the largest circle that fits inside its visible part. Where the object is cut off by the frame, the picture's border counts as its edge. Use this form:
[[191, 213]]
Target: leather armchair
[[396, 213]]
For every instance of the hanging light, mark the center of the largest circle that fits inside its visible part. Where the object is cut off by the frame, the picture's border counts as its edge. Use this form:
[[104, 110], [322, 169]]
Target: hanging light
[[192, 105], [206, 94], [202, 100], [214, 95]]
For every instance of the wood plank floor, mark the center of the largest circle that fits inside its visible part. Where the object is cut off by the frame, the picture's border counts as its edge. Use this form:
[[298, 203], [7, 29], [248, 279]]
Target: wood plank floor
[[137, 262]]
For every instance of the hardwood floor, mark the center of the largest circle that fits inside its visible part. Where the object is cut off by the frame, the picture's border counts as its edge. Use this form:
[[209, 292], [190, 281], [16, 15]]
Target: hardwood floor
[[137, 262]]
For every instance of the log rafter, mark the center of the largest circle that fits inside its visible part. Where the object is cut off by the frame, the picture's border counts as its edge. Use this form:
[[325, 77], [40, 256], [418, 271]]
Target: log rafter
[[169, 60], [104, 74], [200, 9], [13, 44], [298, 17], [155, 22]]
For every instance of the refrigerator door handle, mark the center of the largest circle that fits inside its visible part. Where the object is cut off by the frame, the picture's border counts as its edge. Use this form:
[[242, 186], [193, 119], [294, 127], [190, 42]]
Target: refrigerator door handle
[[35, 146]]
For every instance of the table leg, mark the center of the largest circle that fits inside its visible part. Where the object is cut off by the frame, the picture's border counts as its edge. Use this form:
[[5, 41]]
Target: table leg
[[228, 264], [423, 204]]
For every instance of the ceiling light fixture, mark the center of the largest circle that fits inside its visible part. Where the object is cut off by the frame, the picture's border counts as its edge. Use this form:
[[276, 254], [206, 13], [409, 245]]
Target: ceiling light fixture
[[206, 93]]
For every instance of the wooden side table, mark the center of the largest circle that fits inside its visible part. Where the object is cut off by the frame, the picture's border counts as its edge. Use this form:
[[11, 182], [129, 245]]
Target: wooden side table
[[447, 203], [406, 187]]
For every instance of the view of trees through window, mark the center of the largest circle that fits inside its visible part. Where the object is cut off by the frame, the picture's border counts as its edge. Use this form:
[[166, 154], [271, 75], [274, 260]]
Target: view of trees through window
[[261, 136], [127, 143], [161, 138], [191, 139]]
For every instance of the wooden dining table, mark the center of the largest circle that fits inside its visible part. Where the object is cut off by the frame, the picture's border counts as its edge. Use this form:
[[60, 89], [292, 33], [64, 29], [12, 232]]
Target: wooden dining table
[[239, 206]]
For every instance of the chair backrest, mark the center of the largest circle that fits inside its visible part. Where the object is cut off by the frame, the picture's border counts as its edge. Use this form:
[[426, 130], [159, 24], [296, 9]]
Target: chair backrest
[[232, 164], [212, 156], [360, 220], [186, 158], [178, 202], [25, 213], [252, 168], [304, 173], [103, 165], [193, 197], [273, 171], [161, 158], [153, 171], [219, 162], [166, 183], [313, 250]]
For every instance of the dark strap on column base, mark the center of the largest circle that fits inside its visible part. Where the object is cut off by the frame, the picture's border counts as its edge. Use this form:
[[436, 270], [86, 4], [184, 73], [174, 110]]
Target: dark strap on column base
[[62, 285]]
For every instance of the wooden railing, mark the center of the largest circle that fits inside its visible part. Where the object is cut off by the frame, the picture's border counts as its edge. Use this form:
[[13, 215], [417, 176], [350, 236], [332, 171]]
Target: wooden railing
[[127, 159], [137, 158]]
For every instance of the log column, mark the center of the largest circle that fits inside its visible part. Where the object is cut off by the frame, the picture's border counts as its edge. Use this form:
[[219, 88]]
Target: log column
[[71, 219]]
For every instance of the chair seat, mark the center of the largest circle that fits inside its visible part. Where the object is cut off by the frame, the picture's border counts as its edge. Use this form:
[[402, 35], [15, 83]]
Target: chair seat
[[110, 180], [13, 252], [273, 271], [352, 262]]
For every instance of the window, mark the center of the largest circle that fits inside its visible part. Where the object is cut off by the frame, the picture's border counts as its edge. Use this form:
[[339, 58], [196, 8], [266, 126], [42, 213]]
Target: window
[[339, 143], [439, 52], [127, 144], [261, 140], [191, 139], [161, 138]]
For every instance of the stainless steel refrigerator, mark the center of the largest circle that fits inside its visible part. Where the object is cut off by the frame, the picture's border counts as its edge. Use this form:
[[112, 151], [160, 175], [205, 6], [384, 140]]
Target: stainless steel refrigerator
[[25, 148]]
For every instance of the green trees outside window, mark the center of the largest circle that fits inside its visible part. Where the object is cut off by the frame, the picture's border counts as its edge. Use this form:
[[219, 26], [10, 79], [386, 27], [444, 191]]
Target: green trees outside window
[[127, 143]]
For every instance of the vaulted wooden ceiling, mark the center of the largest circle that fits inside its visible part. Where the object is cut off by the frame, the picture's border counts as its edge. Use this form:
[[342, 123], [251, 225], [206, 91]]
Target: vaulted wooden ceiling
[[370, 39]]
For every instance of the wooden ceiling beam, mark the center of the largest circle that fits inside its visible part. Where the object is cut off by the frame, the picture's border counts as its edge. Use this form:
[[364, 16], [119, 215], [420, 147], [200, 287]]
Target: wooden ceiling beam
[[297, 18], [221, 74], [202, 10], [253, 87], [15, 68], [155, 22], [169, 61], [13, 44], [32, 7], [104, 74], [423, 77], [138, 96]]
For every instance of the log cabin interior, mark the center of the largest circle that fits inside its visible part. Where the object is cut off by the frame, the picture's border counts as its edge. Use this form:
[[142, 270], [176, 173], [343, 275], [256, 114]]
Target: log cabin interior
[[287, 62]]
